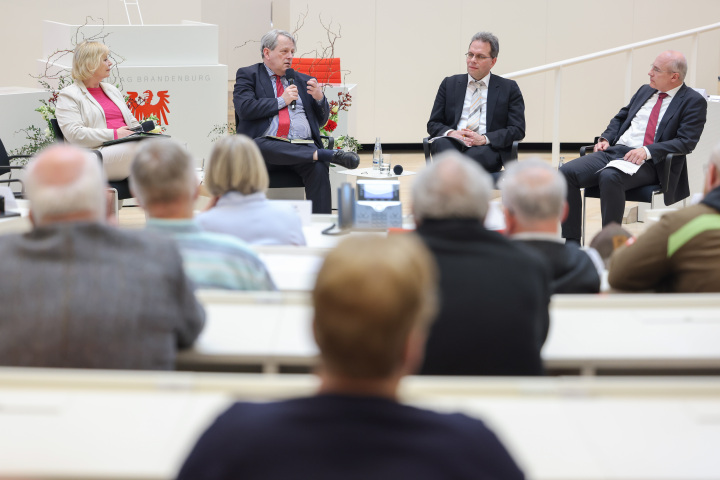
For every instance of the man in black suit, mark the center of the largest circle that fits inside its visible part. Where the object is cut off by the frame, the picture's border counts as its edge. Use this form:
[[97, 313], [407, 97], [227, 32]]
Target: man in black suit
[[268, 104], [663, 117], [480, 114], [494, 293], [533, 194]]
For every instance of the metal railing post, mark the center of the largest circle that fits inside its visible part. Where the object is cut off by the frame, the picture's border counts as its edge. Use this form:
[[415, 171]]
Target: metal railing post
[[556, 119]]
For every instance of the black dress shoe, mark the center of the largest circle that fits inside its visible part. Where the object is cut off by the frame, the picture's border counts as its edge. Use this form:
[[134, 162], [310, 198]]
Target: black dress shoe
[[349, 160]]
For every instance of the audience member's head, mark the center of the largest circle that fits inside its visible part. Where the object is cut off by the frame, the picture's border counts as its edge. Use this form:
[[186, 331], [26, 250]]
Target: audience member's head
[[533, 194], [87, 58], [236, 164], [712, 177], [65, 184], [451, 187], [374, 298], [609, 239], [163, 179]]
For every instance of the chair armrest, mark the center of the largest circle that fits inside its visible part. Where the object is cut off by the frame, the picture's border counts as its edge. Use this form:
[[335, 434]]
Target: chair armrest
[[583, 150], [426, 149], [667, 165], [330, 140], [514, 150]]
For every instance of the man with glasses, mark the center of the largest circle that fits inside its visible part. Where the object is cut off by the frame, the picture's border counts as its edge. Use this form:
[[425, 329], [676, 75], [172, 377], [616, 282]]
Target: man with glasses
[[663, 117], [478, 113]]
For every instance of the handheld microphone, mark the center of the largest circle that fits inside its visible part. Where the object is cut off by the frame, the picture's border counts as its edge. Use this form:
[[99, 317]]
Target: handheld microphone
[[290, 75], [398, 169], [146, 126]]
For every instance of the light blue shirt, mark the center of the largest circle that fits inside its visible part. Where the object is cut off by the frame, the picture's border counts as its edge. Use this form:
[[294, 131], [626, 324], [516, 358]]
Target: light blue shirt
[[212, 260], [299, 126], [254, 219]]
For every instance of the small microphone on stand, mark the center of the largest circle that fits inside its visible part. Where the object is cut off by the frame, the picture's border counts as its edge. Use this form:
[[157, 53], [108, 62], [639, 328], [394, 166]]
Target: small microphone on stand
[[398, 169]]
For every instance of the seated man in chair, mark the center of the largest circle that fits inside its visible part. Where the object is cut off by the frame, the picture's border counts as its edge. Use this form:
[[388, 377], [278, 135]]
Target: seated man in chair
[[478, 113], [272, 100], [663, 117]]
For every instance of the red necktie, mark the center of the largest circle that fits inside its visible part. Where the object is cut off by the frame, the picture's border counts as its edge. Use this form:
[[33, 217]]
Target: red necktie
[[652, 121], [284, 115]]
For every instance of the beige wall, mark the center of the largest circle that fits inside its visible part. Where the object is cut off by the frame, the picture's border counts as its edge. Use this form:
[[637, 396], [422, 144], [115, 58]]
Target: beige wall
[[398, 51]]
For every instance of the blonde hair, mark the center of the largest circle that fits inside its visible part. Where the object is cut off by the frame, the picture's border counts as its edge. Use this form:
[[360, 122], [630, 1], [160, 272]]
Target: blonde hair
[[87, 59], [236, 164], [370, 294]]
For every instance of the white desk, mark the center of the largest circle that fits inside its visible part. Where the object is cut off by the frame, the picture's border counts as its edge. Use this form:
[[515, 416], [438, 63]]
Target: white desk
[[113, 425], [621, 331], [587, 332], [70, 434]]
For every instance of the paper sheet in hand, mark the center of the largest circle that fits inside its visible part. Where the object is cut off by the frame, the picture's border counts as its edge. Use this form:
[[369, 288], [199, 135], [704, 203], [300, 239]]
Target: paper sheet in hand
[[622, 165]]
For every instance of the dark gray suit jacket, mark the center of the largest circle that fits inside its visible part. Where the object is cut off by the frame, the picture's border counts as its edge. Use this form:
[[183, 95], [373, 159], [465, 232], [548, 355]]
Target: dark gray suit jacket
[[678, 132], [255, 103], [85, 295], [505, 118]]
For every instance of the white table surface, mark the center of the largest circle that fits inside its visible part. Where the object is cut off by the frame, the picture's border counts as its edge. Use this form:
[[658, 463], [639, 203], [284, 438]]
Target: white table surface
[[586, 333], [114, 427]]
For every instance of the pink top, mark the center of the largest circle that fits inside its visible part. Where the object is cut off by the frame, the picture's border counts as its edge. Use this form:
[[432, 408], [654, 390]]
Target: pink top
[[113, 115]]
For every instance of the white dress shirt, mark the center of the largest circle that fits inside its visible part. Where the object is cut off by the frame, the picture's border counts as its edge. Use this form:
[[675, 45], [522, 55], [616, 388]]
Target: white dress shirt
[[635, 135]]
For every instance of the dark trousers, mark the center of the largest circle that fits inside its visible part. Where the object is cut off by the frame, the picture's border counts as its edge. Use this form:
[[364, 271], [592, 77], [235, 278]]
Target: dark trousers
[[485, 155], [583, 172], [281, 155]]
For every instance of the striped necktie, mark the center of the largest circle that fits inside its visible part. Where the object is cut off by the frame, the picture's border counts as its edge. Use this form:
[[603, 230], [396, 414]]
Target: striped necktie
[[475, 106]]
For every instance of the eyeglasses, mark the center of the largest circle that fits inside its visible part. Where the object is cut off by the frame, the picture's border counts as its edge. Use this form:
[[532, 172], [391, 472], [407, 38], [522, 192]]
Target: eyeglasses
[[657, 70], [470, 56]]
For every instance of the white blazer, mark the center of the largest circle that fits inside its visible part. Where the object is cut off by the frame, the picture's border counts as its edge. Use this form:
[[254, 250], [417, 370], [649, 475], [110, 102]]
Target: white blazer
[[82, 119]]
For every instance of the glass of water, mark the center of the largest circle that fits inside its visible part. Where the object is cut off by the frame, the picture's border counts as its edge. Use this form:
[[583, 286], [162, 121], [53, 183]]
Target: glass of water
[[385, 165]]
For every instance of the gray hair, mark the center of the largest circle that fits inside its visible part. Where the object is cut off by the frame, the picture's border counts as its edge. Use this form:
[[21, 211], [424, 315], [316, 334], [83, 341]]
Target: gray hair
[[533, 190], [84, 193], [678, 64], [452, 187], [487, 37], [715, 157], [270, 40], [162, 172]]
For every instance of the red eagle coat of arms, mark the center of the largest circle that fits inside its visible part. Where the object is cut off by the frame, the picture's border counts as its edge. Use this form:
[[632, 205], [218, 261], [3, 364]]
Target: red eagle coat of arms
[[142, 107]]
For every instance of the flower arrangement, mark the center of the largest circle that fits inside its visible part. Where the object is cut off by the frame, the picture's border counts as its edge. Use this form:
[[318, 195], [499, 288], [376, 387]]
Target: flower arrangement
[[36, 137], [345, 142]]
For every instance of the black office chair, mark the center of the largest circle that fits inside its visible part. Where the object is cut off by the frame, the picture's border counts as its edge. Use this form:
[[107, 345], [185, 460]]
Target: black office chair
[[284, 177], [644, 194], [495, 175], [5, 167], [121, 186]]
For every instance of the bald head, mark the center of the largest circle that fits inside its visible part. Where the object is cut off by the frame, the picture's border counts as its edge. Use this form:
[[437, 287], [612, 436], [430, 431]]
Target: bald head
[[668, 71], [452, 187], [65, 183]]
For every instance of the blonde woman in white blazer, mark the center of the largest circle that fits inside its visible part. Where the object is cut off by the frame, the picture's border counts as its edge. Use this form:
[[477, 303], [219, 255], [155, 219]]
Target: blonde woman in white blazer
[[90, 112]]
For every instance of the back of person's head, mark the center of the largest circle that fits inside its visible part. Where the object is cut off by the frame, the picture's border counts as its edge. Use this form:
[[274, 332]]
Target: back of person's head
[[533, 190], [453, 186], [162, 172], [370, 294], [64, 183], [236, 164], [87, 58], [712, 175]]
